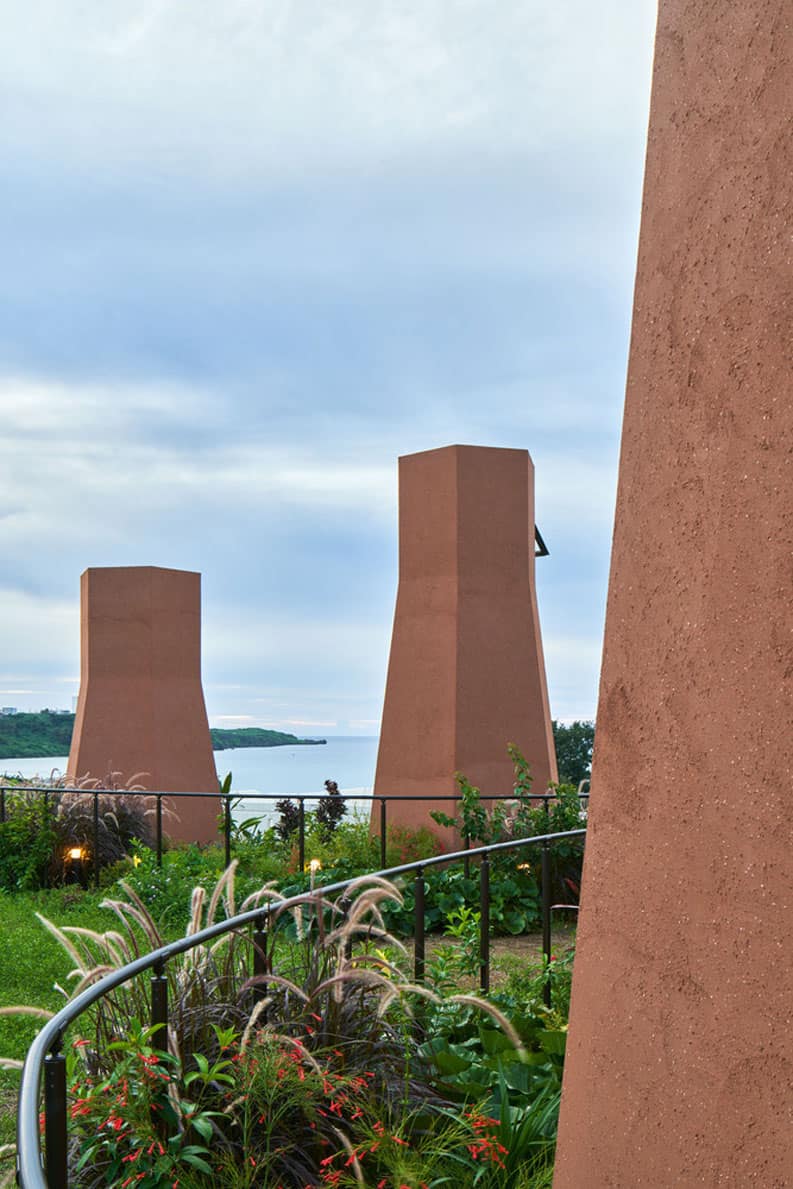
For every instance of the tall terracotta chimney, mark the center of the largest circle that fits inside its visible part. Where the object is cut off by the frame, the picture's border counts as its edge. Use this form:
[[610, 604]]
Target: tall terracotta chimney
[[466, 673], [680, 1047], [141, 705]]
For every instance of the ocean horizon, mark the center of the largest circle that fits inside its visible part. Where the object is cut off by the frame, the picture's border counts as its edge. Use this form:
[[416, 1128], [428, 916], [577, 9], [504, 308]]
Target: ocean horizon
[[285, 770]]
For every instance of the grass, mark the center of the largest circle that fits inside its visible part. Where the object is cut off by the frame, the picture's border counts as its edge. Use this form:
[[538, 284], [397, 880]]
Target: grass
[[31, 963]]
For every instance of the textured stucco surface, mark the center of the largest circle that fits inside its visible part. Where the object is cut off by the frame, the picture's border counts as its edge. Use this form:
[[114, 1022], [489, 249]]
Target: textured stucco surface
[[141, 704], [466, 674], [680, 1056]]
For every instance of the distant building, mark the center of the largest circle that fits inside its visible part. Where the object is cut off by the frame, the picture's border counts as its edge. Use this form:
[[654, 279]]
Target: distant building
[[8, 710]]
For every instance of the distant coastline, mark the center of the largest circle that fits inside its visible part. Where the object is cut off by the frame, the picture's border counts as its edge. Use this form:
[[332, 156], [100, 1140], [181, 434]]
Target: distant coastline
[[223, 740], [49, 733]]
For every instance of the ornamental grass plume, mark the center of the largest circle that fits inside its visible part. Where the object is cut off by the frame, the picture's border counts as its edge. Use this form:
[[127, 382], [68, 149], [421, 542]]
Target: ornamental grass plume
[[282, 1078]]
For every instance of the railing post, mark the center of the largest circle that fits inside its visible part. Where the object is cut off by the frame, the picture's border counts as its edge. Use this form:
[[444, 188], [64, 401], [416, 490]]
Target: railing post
[[3, 806], [418, 949], [301, 834], [159, 1005], [260, 956], [159, 830], [227, 827], [467, 861], [484, 924], [159, 1036], [46, 822], [383, 830], [546, 920], [96, 839], [56, 1145]]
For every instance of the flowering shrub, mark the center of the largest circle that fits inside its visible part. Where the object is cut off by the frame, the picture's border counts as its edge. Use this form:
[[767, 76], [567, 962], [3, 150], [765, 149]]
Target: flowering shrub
[[267, 1112], [309, 1074], [134, 1126]]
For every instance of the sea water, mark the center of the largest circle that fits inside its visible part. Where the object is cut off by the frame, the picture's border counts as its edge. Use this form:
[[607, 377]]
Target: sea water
[[288, 769]]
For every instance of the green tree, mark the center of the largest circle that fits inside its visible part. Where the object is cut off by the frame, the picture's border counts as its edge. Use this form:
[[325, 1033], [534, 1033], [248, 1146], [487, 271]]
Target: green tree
[[574, 742]]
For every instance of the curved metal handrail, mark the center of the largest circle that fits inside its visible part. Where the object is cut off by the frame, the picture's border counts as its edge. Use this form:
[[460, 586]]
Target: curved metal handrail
[[29, 1169]]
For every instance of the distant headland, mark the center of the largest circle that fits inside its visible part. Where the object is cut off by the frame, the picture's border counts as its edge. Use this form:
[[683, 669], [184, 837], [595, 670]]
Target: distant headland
[[49, 733], [223, 739]]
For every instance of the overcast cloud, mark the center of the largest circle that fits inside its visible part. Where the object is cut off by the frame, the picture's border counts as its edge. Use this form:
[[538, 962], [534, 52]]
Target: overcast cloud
[[254, 251]]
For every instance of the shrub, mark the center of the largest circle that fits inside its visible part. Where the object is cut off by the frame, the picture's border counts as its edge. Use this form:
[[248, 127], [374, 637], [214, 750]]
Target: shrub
[[27, 841], [406, 845], [514, 898], [40, 828], [289, 819], [523, 818], [330, 810]]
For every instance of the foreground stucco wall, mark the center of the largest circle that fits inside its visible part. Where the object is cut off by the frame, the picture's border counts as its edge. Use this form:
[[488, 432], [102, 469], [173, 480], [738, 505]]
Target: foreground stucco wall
[[141, 705], [680, 1059], [466, 674]]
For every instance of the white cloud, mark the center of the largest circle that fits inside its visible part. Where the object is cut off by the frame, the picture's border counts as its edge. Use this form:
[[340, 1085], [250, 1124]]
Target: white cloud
[[270, 87], [260, 249], [573, 666]]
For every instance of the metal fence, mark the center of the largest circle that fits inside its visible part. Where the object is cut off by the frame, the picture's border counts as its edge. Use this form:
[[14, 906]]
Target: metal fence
[[226, 802], [45, 1054]]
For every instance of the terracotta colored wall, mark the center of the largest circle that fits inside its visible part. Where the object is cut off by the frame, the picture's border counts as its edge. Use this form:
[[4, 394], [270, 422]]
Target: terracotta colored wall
[[680, 1058], [141, 705], [466, 673]]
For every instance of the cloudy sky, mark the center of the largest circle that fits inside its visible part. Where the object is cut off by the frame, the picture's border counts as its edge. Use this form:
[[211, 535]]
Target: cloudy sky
[[255, 250]]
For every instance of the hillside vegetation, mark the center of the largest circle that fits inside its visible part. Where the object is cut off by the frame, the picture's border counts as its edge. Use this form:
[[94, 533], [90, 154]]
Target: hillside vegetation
[[47, 733]]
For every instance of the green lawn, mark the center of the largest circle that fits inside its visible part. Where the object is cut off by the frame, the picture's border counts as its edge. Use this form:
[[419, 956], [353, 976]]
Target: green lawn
[[31, 962]]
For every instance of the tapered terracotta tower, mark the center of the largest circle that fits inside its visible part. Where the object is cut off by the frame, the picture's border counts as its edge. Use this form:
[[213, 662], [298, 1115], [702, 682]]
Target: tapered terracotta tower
[[680, 1048], [141, 706], [466, 673]]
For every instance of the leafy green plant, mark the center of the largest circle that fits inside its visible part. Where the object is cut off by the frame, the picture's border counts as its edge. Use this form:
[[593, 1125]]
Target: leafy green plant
[[519, 1142], [526, 983], [463, 924], [134, 1125], [513, 1059], [475, 822], [514, 898], [523, 818], [27, 841]]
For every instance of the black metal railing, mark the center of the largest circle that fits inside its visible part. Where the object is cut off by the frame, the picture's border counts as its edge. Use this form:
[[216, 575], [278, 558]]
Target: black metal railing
[[226, 804], [45, 1054]]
